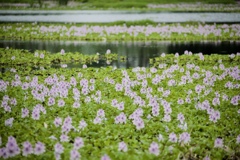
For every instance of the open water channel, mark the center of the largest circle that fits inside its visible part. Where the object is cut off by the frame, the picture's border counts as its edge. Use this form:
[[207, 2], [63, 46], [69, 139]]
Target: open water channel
[[137, 53]]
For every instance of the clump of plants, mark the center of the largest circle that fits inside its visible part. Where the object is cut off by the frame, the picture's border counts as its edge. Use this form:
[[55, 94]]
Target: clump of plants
[[121, 32], [171, 110]]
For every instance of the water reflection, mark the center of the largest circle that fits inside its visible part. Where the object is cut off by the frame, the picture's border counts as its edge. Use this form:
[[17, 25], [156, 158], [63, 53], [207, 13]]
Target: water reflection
[[113, 16], [137, 53]]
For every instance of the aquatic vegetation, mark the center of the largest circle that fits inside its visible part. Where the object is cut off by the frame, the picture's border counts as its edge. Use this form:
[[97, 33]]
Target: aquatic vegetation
[[185, 106], [21, 57], [195, 7], [197, 59], [194, 31]]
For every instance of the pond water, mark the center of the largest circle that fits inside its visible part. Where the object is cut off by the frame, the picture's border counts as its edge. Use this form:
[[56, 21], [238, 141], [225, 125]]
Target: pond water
[[89, 16], [137, 53]]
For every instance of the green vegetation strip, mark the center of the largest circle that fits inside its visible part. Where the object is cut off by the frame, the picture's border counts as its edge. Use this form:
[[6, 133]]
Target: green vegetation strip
[[42, 57], [120, 31]]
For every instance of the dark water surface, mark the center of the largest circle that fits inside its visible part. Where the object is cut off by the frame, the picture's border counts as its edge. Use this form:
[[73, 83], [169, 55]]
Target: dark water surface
[[137, 53]]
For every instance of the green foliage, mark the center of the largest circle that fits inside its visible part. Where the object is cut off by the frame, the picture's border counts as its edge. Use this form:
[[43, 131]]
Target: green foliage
[[100, 139], [63, 2], [12, 57]]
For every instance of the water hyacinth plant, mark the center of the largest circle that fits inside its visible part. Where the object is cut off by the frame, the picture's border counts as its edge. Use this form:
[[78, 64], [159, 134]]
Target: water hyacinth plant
[[184, 106], [195, 7], [123, 31], [20, 57]]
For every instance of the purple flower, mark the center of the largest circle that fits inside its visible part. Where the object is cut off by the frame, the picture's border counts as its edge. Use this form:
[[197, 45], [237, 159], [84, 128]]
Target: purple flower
[[85, 91], [82, 124], [27, 148], [167, 109], [216, 101], [87, 99], [67, 126], [105, 157], [13, 101], [7, 108], [235, 100], [73, 81], [184, 137], [218, 143], [62, 52], [120, 106], [64, 138], [41, 56], [167, 117], [25, 112], [92, 80], [188, 100], [4, 153], [153, 70], [100, 113], [39, 148], [198, 89], [163, 55], [139, 123], [9, 122], [74, 155], [78, 143], [97, 120], [214, 116], [58, 121], [172, 137], [61, 103], [122, 146], [76, 104], [180, 117], [121, 118], [12, 148], [57, 156], [36, 114], [171, 82], [118, 87], [58, 148], [91, 88], [84, 66], [114, 103], [154, 148], [206, 158], [51, 101], [108, 51], [180, 101], [155, 111]]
